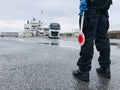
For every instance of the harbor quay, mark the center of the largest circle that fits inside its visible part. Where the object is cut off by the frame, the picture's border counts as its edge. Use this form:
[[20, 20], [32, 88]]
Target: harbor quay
[[42, 63]]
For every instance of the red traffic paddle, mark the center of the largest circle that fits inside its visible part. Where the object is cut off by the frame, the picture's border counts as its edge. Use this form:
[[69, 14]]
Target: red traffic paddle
[[81, 37]]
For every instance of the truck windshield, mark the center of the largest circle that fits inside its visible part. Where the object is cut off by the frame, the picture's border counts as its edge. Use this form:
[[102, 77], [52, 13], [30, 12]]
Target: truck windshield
[[55, 26]]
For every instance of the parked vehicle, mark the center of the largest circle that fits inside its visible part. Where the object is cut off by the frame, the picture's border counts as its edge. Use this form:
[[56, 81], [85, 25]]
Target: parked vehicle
[[54, 30], [46, 31]]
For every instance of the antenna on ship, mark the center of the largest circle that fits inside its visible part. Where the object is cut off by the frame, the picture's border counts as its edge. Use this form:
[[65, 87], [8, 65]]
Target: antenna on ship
[[33, 18], [27, 21]]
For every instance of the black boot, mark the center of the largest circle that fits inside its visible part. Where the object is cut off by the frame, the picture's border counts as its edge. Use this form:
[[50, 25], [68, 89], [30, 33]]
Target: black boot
[[104, 72], [83, 76]]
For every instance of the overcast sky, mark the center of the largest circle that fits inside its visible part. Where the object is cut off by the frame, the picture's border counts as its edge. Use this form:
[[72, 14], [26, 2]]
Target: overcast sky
[[15, 13]]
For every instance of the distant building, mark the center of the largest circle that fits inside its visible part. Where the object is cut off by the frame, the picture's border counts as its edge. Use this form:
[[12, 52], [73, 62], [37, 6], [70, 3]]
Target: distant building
[[67, 34], [114, 34], [111, 34], [9, 34]]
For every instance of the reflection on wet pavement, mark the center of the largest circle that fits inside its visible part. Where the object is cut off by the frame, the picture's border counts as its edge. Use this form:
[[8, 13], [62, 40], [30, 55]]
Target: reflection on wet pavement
[[45, 64], [47, 43]]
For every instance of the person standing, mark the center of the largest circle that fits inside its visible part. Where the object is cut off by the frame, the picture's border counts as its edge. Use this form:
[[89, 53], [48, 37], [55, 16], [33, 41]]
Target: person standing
[[95, 27]]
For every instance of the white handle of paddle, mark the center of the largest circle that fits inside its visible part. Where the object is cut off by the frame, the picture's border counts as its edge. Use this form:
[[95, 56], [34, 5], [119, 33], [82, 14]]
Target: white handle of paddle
[[82, 20]]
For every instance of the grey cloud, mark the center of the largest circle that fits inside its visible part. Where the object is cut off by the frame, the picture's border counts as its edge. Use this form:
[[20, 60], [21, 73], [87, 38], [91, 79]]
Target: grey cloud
[[63, 11], [25, 8]]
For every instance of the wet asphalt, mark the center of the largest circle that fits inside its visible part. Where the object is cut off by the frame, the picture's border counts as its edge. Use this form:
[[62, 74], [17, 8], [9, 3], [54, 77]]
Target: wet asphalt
[[41, 63]]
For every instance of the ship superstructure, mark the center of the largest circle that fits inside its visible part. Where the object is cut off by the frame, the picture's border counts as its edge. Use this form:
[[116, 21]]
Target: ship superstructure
[[33, 27]]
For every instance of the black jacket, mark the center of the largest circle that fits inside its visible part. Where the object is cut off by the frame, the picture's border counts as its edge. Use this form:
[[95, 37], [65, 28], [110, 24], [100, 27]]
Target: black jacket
[[98, 3]]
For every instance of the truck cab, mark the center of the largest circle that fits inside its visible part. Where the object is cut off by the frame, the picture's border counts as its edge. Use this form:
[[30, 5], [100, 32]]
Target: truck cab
[[54, 30]]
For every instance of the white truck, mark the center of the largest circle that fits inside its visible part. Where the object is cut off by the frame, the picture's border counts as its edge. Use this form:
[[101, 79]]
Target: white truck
[[54, 30]]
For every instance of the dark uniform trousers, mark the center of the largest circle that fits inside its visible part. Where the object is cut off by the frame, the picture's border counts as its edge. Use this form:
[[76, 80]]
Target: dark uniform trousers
[[96, 25]]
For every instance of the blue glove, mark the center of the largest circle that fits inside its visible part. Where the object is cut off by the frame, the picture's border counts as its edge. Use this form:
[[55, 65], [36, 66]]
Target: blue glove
[[83, 6]]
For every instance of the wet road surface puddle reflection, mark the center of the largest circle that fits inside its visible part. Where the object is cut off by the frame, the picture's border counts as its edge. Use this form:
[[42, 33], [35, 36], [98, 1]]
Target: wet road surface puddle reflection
[[48, 43]]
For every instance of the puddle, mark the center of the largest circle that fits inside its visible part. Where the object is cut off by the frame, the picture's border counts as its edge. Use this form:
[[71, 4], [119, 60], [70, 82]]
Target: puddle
[[61, 44], [54, 44], [47, 43]]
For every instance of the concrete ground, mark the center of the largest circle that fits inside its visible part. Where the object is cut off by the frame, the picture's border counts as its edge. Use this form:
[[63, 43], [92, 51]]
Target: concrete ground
[[46, 64]]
